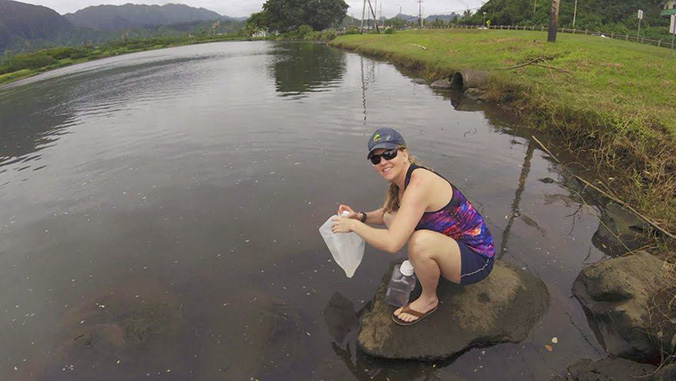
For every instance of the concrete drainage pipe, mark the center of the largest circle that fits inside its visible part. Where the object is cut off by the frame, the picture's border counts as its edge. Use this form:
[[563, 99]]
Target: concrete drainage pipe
[[465, 79]]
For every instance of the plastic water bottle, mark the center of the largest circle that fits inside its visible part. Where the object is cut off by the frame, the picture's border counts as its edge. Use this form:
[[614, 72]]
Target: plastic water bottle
[[401, 285]]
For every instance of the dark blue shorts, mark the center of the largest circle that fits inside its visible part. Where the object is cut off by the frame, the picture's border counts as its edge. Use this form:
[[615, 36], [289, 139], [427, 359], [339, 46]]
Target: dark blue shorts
[[474, 267]]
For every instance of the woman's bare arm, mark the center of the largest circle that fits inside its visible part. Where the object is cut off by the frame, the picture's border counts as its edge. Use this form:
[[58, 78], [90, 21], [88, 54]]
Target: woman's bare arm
[[392, 239], [374, 217]]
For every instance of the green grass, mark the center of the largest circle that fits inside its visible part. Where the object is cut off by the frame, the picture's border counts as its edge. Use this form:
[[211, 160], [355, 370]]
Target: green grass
[[605, 75], [16, 75], [611, 101]]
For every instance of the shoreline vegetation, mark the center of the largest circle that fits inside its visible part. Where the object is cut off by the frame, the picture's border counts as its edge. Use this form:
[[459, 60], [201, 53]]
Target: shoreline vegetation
[[14, 67], [608, 102]]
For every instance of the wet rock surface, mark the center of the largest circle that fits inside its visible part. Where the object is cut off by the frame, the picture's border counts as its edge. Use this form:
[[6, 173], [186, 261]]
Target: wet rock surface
[[606, 370], [441, 84], [501, 308], [621, 298]]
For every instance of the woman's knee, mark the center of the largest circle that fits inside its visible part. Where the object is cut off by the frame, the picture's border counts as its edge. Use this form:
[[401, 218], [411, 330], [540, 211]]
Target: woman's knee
[[419, 244]]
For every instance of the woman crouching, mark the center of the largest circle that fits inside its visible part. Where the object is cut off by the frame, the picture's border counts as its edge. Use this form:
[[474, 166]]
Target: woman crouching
[[446, 236]]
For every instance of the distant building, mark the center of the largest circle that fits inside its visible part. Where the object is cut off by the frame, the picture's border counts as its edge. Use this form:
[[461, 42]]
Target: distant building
[[668, 8]]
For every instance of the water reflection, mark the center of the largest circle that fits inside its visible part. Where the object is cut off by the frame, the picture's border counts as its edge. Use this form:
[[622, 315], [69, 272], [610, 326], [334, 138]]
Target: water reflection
[[301, 67], [525, 168], [340, 317], [31, 119], [366, 78]]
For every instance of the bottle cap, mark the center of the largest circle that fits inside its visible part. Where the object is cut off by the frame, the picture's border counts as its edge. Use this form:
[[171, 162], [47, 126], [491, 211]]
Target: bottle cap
[[345, 213], [406, 268]]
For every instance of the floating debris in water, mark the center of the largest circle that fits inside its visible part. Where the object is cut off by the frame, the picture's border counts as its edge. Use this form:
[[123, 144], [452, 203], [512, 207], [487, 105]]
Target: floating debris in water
[[555, 340], [549, 347]]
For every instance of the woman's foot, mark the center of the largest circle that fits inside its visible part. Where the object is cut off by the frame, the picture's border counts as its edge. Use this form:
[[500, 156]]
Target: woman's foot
[[422, 305]]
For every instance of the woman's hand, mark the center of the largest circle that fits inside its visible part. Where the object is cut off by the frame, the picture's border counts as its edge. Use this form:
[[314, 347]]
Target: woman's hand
[[351, 213], [342, 224]]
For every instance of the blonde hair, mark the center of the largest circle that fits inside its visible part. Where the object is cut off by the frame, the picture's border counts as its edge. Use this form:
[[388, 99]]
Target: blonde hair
[[391, 203]]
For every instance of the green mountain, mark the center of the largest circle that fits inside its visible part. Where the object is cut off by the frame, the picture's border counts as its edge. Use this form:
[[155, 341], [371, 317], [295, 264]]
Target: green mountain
[[24, 24], [25, 27], [129, 16]]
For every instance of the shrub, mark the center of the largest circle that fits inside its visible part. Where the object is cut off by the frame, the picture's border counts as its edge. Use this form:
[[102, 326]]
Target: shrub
[[324, 36], [303, 31], [352, 30], [32, 61]]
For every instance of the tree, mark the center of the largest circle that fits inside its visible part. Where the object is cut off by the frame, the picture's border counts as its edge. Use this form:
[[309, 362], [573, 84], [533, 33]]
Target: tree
[[257, 21], [289, 15]]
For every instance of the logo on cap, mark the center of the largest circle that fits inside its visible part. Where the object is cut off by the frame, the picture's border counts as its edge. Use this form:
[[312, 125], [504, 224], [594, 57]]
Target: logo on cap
[[376, 137]]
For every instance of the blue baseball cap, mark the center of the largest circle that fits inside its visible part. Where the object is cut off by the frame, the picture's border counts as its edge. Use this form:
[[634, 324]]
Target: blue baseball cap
[[386, 138]]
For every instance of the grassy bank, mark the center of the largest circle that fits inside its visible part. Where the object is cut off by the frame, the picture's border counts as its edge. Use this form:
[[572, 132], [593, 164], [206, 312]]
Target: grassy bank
[[611, 102], [15, 67]]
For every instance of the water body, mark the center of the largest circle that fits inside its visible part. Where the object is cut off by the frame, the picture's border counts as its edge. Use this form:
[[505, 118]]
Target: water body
[[159, 216]]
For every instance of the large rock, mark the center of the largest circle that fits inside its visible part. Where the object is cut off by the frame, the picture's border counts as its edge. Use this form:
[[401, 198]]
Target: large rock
[[607, 369], [626, 301], [501, 308]]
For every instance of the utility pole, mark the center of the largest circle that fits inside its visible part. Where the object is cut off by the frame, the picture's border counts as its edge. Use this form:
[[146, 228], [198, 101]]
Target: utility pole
[[363, 13], [420, 12], [375, 8], [373, 13], [553, 22], [381, 13], [574, 14]]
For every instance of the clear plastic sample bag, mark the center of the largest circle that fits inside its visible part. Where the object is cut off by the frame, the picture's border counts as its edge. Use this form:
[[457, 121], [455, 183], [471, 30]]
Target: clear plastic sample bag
[[347, 248]]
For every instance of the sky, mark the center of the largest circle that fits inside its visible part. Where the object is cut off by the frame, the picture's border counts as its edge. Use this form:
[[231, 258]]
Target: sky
[[237, 8]]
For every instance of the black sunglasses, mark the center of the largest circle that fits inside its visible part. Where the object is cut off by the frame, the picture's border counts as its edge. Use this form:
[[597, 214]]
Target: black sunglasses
[[387, 155]]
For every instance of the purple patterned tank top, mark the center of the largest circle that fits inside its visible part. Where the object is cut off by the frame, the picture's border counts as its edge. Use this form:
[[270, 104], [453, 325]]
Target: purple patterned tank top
[[458, 220]]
